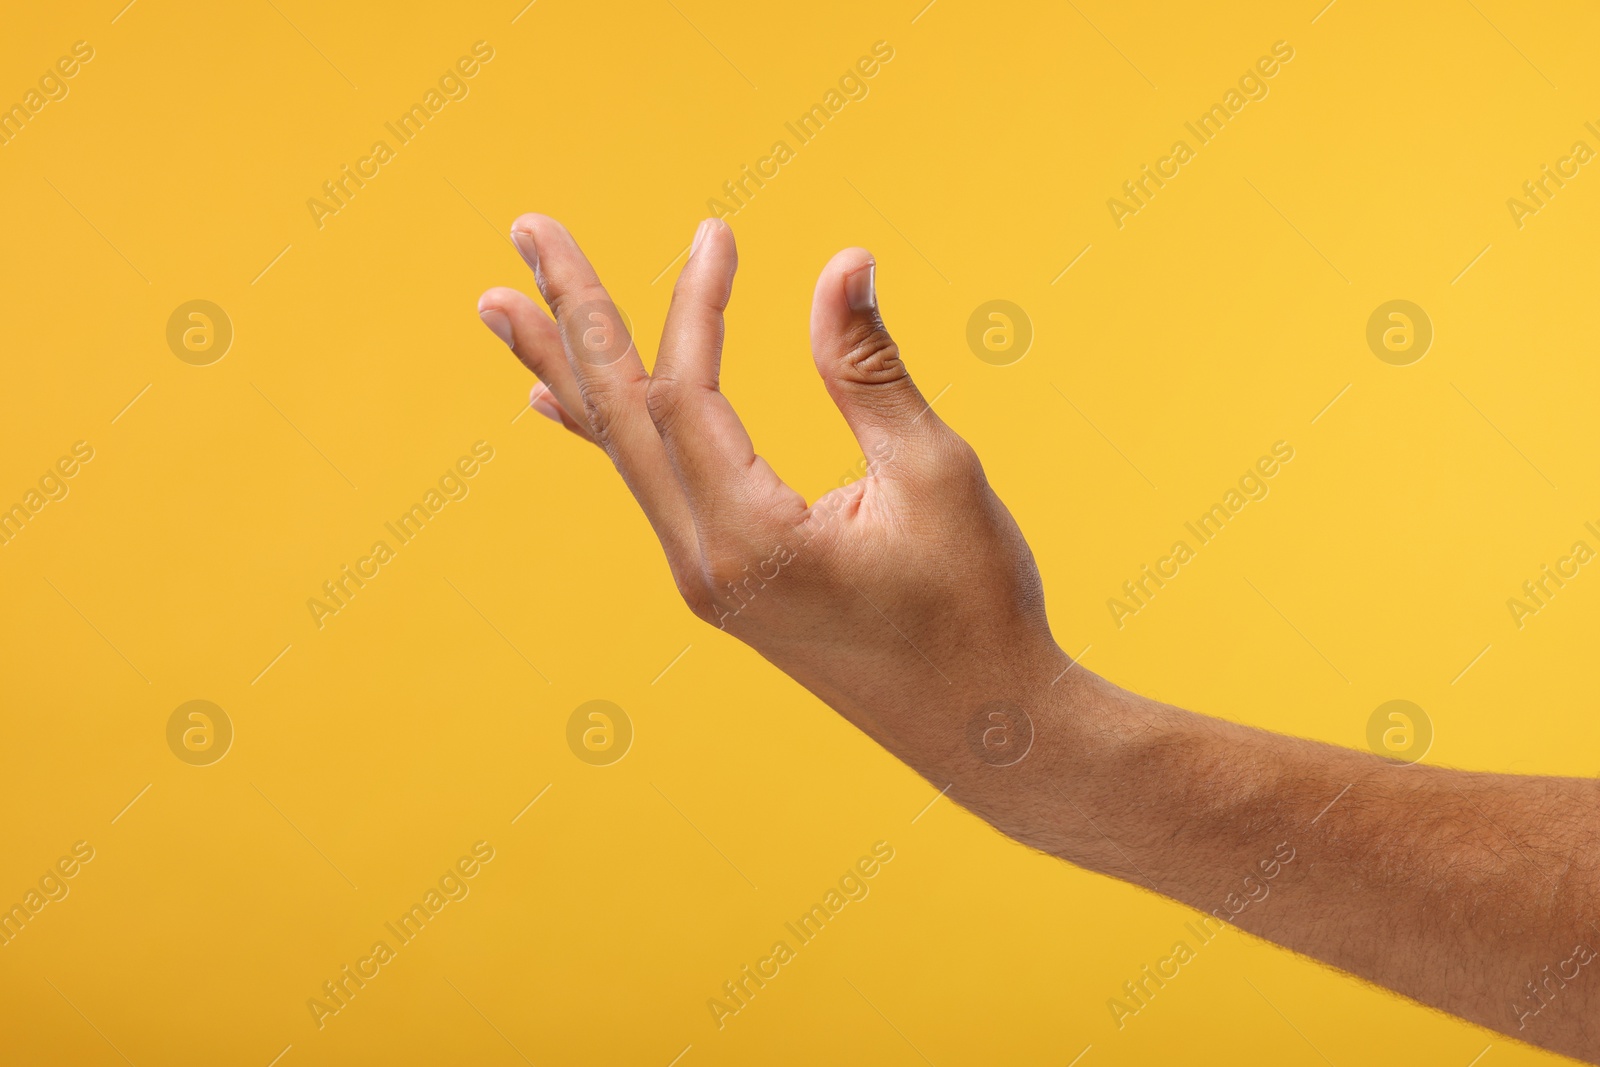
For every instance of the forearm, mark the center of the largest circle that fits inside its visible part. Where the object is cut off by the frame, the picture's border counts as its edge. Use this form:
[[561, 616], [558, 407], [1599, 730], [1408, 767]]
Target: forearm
[[909, 601], [1455, 888]]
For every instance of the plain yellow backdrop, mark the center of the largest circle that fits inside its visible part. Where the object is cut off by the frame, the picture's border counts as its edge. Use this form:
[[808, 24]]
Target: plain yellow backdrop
[[370, 753]]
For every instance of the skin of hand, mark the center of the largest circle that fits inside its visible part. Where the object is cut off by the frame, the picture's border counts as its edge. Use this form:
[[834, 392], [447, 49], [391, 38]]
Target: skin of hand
[[908, 593], [909, 602]]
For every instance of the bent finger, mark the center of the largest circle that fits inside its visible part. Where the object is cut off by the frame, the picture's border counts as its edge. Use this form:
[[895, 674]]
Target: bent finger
[[726, 483], [534, 339]]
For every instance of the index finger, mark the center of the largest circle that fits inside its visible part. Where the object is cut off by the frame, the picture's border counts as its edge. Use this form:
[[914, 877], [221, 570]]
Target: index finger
[[611, 378]]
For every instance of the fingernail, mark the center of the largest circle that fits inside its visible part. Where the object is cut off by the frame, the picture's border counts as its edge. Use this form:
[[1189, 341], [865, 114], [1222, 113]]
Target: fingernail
[[859, 289], [524, 242], [497, 322], [540, 401], [700, 236]]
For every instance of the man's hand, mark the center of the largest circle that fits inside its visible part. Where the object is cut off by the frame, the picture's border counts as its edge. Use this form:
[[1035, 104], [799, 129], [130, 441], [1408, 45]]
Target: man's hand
[[909, 602], [907, 594]]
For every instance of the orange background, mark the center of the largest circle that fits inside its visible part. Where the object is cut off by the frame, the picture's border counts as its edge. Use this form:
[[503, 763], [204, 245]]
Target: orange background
[[370, 754]]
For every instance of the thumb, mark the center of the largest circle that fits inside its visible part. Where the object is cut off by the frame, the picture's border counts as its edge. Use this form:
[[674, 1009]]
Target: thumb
[[860, 363]]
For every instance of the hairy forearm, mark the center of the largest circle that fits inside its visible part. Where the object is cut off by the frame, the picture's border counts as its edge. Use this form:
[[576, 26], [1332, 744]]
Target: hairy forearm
[[1472, 893], [909, 601]]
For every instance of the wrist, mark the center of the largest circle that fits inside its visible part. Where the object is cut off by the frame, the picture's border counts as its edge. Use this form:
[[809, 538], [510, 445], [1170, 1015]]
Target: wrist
[[1033, 753]]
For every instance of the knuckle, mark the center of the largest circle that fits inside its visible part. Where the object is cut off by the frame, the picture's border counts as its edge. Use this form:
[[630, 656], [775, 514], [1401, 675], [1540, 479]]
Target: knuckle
[[948, 467], [663, 399], [719, 591], [604, 409], [697, 595], [957, 468], [735, 584], [564, 302], [964, 458], [872, 357]]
